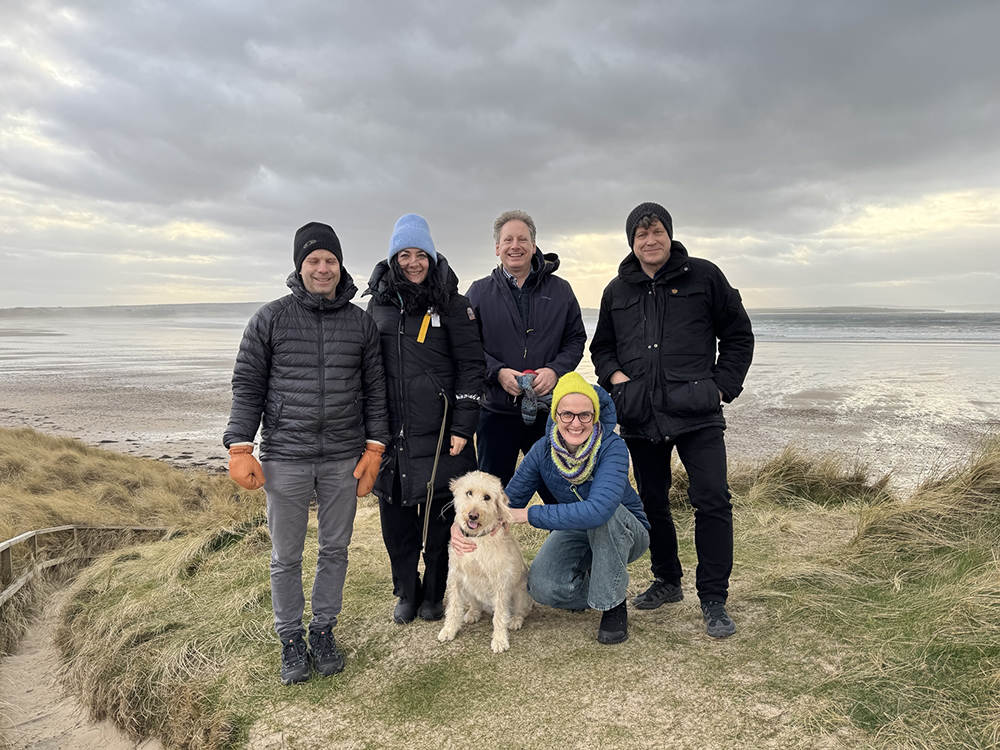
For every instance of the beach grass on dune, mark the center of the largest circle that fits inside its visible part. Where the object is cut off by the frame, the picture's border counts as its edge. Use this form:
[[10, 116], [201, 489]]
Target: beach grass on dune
[[50, 481], [864, 621]]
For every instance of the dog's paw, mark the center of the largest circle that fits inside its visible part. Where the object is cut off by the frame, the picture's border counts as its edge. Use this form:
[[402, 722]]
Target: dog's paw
[[473, 615], [515, 623], [499, 644], [447, 634]]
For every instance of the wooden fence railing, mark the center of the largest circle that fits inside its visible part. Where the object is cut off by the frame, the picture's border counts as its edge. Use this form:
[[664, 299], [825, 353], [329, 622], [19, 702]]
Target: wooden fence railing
[[68, 550]]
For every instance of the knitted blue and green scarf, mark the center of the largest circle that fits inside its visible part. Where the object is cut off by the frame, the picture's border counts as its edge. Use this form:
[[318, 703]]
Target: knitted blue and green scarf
[[575, 468]]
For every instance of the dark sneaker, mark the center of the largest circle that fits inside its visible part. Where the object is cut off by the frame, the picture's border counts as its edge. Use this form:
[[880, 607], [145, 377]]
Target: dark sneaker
[[431, 611], [404, 612], [717, 621], [326, 657], [659, 593], [294, 660], [614, 625]]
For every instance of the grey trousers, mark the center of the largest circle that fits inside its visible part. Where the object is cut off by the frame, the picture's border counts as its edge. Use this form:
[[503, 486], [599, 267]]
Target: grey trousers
[[290, 487]]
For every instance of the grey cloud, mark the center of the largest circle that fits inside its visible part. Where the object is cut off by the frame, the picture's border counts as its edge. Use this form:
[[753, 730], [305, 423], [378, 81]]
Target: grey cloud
[[765, 119]]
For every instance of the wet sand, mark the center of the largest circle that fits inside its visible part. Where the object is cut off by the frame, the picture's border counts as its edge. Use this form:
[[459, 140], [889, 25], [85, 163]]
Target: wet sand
[[148, 417], [182, 428]]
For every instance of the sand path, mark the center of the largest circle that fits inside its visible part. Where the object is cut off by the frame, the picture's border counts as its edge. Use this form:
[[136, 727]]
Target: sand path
[[37, 712]]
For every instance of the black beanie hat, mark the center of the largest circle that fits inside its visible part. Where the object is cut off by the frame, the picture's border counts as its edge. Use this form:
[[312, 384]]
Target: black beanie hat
[[315, 236], [647, 209]]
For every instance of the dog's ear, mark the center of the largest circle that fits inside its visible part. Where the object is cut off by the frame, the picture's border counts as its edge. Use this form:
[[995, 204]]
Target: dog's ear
[[455, 481], [503, 509]]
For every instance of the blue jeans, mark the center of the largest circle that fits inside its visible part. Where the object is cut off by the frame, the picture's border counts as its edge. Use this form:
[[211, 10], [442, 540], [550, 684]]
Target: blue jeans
[[581, 568]]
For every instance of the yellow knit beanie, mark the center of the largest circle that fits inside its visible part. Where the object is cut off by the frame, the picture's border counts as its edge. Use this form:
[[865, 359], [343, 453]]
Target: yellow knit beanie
[[573, 382]]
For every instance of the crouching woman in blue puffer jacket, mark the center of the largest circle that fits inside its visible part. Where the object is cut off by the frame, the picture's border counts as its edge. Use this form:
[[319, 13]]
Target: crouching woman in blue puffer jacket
[[598, 525]]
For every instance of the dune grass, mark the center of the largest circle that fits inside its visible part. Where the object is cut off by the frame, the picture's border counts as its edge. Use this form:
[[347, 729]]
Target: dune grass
[[49, 481], [865, 621]]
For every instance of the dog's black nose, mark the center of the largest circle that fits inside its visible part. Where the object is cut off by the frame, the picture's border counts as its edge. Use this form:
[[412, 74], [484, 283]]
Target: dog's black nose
[[473, 516]]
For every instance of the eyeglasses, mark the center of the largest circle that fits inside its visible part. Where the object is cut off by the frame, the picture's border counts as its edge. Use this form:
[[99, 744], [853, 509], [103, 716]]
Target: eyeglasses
[[567, 417]]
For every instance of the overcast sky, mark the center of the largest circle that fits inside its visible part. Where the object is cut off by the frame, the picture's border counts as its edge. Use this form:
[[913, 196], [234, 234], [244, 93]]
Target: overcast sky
[[821, 153]]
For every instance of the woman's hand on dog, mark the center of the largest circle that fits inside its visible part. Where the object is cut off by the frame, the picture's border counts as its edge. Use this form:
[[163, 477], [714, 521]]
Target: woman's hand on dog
[[520, 515], [459, 542], [462, 545]]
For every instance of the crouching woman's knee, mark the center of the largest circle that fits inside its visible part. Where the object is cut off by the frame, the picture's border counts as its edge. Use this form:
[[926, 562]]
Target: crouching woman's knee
[[552, 592]]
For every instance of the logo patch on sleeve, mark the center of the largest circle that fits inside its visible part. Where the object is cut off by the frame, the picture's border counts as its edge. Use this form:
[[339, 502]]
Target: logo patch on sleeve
[[471, 313]]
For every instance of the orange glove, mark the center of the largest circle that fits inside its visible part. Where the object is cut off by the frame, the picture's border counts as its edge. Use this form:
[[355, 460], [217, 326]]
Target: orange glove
[[367, 468], [244, 468]]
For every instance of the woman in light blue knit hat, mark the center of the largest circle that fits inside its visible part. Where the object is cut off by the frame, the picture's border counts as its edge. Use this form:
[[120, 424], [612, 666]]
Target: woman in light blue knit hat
[[434, 369]]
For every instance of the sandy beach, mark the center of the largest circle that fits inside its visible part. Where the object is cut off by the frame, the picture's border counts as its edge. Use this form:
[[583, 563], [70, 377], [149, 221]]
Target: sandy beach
[[906, 392], [905, 425]]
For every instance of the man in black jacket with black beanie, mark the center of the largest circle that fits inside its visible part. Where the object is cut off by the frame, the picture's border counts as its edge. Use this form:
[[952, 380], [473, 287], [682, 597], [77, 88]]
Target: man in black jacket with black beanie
[[309, 374], [661, 321]]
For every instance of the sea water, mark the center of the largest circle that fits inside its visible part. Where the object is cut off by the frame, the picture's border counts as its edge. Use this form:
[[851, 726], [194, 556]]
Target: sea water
[[858, 380]]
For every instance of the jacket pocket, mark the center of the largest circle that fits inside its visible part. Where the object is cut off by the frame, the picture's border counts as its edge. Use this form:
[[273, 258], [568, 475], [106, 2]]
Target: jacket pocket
[[630, 327], [693, 398], [272, 416], [632, 403]]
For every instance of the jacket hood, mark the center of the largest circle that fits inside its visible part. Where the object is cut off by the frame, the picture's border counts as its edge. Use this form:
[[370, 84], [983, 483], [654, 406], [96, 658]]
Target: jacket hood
[[378, 282], [631, 270], [542, 264], [548, 263], [345, 292]]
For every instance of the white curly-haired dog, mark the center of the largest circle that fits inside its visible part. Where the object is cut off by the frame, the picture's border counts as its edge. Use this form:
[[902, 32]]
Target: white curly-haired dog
[[494, 577]]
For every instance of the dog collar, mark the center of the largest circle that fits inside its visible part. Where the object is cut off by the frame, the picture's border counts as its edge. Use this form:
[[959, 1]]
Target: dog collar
[[467, 535]]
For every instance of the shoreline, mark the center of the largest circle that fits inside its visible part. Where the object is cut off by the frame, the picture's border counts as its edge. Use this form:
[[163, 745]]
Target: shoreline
[[184, 427]]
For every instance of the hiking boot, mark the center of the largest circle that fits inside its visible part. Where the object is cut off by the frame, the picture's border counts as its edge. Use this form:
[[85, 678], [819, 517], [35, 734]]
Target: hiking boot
[[326, 657], [614, 625], [405, 611], [717, 621], [659, 593], [294, 660], [431, 611]]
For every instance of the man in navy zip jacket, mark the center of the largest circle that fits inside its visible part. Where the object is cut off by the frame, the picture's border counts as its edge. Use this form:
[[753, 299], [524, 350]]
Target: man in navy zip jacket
[[661, 321], [529, 319]]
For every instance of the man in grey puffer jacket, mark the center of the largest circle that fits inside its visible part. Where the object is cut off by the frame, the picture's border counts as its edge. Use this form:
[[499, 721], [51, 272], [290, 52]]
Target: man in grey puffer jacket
[[309, 374]]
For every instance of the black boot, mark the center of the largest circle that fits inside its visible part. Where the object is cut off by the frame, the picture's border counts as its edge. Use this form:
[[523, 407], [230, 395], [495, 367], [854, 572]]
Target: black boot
[[325, 655], [294, 660], [660, 592], [405, 611], [431, 610], [614, 625]]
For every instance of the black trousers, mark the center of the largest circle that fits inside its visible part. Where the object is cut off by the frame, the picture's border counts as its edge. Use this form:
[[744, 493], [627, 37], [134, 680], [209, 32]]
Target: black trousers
[[703, 454], [402, 530], [499, 438]]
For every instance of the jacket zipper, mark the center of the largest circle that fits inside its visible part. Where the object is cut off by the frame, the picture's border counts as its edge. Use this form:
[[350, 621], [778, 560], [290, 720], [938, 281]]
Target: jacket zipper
[[400, 330], [322, 387]]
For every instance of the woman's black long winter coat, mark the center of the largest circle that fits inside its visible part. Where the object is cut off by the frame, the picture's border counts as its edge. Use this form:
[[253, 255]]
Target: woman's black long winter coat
[[449, 364]]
